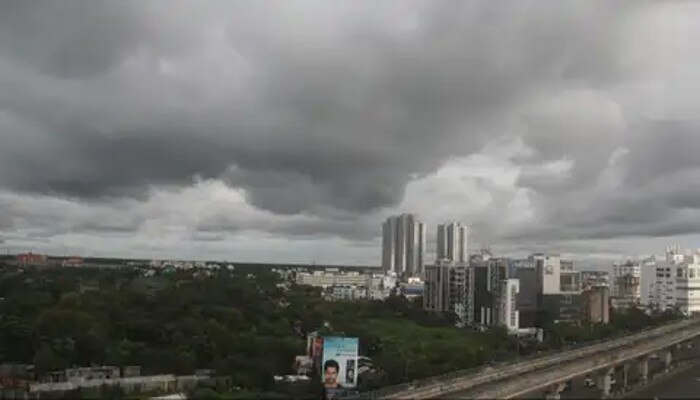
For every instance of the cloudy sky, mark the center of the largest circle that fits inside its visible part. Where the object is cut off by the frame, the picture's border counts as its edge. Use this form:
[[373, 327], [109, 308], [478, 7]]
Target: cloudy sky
[[287, 131]]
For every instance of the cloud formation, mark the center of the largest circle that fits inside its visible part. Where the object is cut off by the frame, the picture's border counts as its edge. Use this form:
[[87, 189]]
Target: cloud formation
[[532, 122]]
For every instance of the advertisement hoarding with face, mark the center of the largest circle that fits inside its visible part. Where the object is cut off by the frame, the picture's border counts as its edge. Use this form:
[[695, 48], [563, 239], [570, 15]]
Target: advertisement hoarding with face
[[340, 362]]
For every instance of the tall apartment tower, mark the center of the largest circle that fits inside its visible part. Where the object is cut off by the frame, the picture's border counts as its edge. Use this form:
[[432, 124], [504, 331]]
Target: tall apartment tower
[[452, 242], [403, 245], [449, 287]]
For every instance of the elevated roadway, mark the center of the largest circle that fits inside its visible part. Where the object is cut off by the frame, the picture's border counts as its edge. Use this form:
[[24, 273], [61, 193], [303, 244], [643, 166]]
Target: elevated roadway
[[550, 371], [632, 356]]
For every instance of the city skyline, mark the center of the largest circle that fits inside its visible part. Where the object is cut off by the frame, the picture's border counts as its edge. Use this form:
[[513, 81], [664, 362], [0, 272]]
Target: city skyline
[[270, 132]]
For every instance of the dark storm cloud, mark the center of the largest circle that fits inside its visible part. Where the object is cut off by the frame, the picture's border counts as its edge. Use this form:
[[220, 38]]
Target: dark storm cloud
[[337, 113], [68, 39], [302, 227], [655, 192], [5, 219], [323, 113], [54, 216], [664, 147]]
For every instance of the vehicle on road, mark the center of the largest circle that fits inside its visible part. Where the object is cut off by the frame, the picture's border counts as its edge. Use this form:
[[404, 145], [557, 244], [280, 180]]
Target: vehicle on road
[[589, 382]]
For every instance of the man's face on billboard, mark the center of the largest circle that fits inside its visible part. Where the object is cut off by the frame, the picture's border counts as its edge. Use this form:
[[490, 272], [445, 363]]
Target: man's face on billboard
[[331, 374]]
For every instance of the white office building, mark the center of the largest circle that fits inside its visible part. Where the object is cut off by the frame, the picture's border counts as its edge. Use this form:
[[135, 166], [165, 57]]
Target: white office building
[[339, 285], [688, 284], [452, 242], [403, 245], [325, 279], [676, 282], [346, 293]]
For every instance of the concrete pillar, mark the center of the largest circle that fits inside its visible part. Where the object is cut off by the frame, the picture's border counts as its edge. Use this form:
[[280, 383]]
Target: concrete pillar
[[677, 351], [668, 358], [625, 375], [605, 381], [644, 369]]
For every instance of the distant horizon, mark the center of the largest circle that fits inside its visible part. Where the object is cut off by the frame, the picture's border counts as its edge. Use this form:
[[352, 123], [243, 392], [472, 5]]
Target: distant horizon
[[584, 264]]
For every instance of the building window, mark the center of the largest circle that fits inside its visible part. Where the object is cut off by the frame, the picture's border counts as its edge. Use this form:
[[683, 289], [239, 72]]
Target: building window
[[679, 272], [691, 272]]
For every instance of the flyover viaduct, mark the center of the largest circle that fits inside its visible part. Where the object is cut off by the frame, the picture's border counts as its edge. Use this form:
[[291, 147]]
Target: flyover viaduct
[[632, 359], [551, 371]]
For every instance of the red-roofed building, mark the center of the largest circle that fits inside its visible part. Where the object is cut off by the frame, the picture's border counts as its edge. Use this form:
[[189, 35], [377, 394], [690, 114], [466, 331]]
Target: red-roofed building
[[31, 259]]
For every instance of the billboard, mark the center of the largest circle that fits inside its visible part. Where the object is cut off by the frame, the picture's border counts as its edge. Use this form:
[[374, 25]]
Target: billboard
[[339, 362]]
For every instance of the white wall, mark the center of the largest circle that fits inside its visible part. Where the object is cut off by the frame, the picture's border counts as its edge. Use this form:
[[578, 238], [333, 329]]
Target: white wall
[[551, 275]]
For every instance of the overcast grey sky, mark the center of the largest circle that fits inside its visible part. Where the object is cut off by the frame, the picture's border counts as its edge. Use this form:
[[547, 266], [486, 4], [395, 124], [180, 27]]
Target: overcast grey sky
[[287, 131]]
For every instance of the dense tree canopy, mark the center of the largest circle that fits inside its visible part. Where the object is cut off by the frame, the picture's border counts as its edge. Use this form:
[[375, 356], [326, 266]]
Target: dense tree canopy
[[245, 326]]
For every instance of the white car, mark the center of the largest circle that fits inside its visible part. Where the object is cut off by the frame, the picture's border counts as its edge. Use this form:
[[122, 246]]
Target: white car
[[589, 382]]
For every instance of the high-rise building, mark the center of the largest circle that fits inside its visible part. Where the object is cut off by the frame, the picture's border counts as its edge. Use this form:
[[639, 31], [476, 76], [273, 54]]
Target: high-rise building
[[452, 242], [660, 294], [483, 301], [549, 290], [626, 289], [647, 282], [495, 291], [437, 288], [448, 288], [660, 280], [688, 284], [508, 313], [530, 288], [676, 282], [403, 245]]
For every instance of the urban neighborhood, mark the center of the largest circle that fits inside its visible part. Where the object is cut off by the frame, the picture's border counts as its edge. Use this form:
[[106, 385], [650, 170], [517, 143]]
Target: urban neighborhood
[[531, 299]]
